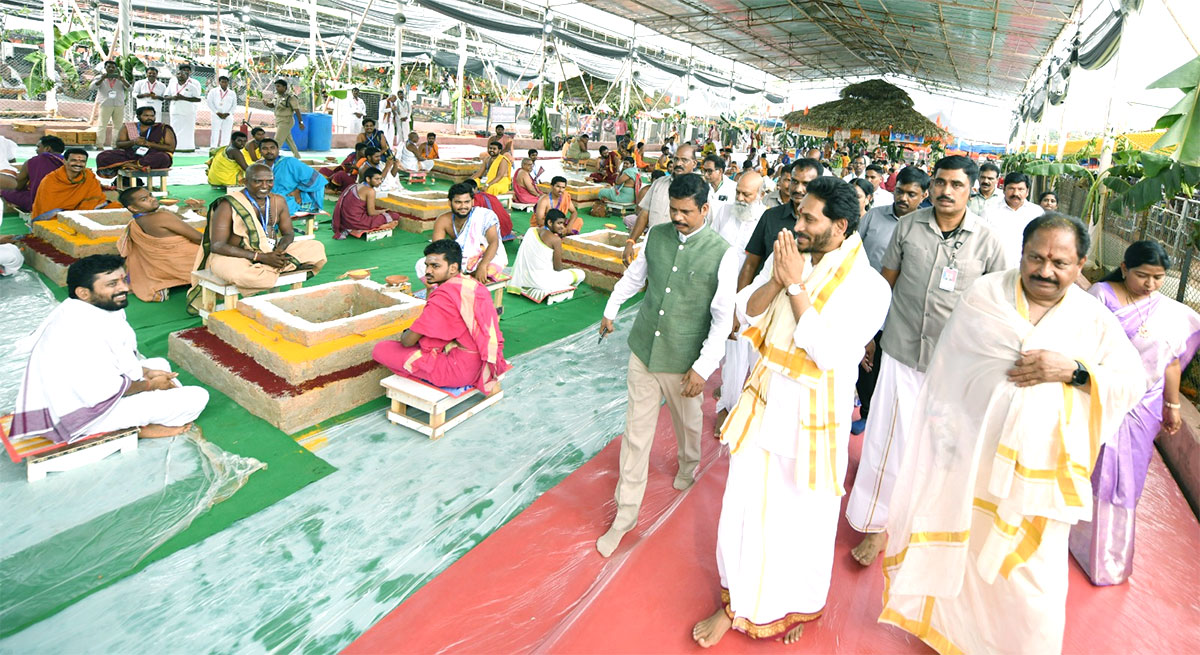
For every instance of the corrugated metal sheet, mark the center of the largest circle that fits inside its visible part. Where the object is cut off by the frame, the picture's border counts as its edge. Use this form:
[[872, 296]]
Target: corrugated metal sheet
[[984, 46]]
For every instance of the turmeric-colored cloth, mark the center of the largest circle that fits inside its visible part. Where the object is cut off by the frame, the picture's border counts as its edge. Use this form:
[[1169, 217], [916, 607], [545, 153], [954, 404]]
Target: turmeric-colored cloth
[[59, 194], [249, 276], [155, 264], [427, 151], [663, 163], [252, 151], [639, 162], [502, 185], [223, 171]]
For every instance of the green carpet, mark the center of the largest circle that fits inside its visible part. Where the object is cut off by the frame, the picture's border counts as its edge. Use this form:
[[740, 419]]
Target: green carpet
[[525, 326]]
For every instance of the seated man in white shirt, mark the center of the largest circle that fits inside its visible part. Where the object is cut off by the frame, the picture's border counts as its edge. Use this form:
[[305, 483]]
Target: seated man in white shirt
[[84, 374], [1009, 218]]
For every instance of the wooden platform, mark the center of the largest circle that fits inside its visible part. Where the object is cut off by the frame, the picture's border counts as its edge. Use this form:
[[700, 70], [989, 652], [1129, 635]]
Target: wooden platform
[[42, 456], [405, 393]]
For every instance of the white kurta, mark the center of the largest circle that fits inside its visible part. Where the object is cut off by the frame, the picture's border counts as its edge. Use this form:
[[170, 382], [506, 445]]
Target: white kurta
[[221, 102], [1010, 224], [183, 112], [473, 240], [775, 538], [739, 354], [995, 475], [159, 89]]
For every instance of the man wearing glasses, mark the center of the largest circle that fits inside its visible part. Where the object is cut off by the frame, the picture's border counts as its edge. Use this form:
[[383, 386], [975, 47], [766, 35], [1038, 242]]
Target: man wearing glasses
[[655, 208]]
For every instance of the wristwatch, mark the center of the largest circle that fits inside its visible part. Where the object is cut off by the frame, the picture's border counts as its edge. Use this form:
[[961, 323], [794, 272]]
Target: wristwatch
[[795, 289], [1080, 377]]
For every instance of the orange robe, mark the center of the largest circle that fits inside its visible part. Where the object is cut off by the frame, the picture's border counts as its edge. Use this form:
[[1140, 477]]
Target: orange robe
[[58, 194], [156, 264]]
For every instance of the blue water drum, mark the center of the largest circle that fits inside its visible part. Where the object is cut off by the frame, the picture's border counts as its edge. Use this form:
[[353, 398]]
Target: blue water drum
[[320, 132], [299, 135]]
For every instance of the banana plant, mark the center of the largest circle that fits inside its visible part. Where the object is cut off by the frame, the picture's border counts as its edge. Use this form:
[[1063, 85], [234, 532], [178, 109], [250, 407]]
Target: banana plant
[[40, 79]]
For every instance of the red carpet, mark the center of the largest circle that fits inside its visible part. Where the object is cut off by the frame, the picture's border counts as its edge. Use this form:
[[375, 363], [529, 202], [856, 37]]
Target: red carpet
[[538, 584]]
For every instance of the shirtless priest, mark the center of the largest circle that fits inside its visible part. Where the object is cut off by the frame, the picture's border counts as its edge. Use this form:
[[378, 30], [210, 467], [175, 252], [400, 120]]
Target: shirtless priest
[[84, 375], [158, 247], [248, 241], [477, 231], [456, 341], [815, 301]]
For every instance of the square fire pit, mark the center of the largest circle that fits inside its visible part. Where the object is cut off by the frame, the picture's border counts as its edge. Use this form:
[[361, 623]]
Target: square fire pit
[[325, 312], [103, 223], [418, 209], [598, 254]]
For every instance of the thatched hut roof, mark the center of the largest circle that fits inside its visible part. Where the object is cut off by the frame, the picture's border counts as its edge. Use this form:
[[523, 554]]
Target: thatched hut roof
[[872, 105]]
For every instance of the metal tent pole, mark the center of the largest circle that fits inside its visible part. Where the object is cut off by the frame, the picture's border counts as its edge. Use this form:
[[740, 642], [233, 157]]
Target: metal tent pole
[[462, 64], [50, 66]]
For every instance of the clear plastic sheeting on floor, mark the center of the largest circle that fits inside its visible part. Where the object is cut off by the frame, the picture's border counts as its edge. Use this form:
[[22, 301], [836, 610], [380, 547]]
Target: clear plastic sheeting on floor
[[315, 570], [24, 302], [65, 535]]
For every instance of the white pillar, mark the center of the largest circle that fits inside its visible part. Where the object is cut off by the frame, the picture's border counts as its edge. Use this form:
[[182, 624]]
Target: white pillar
[[51, 68], [462, 63], [398, 64], [204, 26], [126, 13]]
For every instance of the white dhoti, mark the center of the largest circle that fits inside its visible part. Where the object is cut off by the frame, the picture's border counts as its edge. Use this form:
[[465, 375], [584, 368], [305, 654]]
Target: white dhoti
[[888, 426], [11, 259], [183, 122], [222, 128], [739, 358], [473, 240], [408, 161], [427, 165], [775, 544], [169, 407]]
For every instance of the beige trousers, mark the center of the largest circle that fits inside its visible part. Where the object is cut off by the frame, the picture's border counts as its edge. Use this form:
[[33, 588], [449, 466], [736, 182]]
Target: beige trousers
[[283, 134], [109, 116], [646, 391]]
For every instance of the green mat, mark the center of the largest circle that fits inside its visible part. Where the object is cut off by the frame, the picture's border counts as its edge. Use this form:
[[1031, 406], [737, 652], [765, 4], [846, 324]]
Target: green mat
[[525, 325]]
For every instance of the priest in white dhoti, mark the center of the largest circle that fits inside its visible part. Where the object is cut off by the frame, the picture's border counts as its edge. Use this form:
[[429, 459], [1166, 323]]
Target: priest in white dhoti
[[84, 375], [477, 231], [185, 94], [1030, 377], [816, 301], [222, 100], [735, 222]]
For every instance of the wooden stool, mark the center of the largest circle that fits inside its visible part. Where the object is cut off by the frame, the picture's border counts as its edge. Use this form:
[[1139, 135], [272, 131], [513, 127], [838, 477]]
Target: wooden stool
[[521, 206], [496, 288], [418, 176], [506, 200], [43, 456], [156, 180], [213, 287], [622, 208], [406, 392]]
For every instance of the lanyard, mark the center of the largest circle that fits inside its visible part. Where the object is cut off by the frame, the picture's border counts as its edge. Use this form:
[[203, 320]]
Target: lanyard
[[223, 94], [454, 225], [257, 208], [957, 236], [145, 136]]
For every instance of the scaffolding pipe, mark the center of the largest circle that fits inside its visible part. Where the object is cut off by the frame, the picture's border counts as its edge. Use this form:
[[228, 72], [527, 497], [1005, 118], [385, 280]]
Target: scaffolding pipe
[[462, 64], [50, 66]]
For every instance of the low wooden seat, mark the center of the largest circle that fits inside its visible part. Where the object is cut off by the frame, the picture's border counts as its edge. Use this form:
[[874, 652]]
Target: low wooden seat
[[550, 297], [404, 392], [522, 206], [156, 180], [496, 288], [415, 177], [42, 456], [622, 208], [213, 287], [506, 200]]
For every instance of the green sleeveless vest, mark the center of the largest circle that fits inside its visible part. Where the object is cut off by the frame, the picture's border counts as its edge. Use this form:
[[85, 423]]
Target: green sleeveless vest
[[681, 281]]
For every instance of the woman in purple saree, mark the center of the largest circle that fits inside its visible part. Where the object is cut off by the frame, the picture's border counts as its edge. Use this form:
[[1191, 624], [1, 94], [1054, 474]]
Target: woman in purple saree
[[1166, 333]]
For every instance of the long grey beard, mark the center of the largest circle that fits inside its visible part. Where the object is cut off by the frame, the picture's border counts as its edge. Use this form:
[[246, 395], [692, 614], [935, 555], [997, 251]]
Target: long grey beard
[[747, 211]]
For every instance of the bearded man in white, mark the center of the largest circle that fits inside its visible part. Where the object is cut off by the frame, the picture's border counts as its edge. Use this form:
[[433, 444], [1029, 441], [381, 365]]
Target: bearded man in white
[[735, 222]]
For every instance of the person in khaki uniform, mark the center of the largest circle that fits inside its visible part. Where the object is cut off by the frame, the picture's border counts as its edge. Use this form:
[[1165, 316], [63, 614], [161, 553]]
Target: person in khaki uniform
[[287, 110], [684, 266]]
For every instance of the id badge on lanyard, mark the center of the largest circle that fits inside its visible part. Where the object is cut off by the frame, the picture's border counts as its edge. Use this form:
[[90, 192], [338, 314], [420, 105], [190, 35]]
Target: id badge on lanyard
[[950, 271]]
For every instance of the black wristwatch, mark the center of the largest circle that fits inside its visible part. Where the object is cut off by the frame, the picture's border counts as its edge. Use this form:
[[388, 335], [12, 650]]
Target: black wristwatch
[[1080, 377]]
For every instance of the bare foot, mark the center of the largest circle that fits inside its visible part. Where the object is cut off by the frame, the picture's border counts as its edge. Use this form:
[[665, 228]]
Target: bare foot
[[156, 431], [709, 631], [721, 416], [793, 635], [868, 549]]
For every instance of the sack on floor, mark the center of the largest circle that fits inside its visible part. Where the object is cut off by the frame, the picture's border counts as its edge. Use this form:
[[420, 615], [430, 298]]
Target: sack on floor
[[599, 209]]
